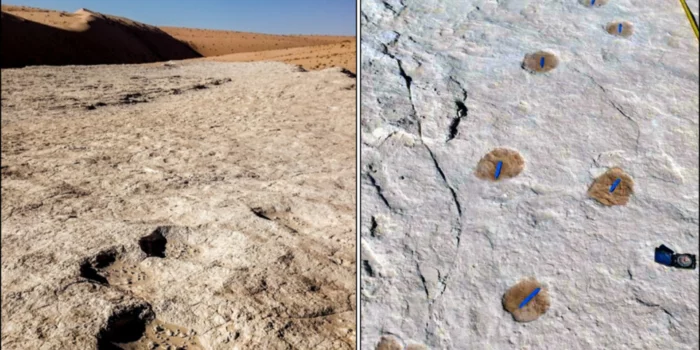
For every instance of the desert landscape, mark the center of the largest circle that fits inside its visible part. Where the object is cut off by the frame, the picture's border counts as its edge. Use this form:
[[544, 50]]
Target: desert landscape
[[521, 163], [340, 54], [158, 200], [308, 51], [34, 36]]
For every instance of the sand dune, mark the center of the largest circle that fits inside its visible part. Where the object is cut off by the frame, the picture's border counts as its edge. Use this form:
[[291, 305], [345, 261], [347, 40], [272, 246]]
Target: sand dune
[[220, 42], [310, 58], [35, 36], [41, 37]]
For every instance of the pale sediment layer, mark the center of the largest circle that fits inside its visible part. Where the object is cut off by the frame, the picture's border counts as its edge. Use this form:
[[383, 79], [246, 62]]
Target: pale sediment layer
[[443, 85], [202, 203]]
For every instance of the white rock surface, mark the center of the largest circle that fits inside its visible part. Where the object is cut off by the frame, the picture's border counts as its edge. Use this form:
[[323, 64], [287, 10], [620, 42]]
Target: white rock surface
[[440, 246], [251, 165]]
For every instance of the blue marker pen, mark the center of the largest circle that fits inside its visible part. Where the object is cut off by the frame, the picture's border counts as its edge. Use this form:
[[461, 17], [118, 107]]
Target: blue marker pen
[[542, 62], [619, 28], [529, 297], [592, 2], [498, 169], [614, 185]]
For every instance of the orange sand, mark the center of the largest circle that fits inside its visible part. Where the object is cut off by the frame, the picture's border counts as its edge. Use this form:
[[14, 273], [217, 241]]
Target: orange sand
[[33, 36]]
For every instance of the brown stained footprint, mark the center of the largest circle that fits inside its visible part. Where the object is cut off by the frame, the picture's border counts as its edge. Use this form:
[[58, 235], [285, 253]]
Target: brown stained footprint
[[391, 343], [540, 62], [534, 308], [513, 164], [593, 3], [620, 28], [600, 189], [388, 343]]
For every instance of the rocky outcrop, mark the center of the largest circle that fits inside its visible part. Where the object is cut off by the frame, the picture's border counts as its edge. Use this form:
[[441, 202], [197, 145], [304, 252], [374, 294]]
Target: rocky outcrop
[[444, 83]]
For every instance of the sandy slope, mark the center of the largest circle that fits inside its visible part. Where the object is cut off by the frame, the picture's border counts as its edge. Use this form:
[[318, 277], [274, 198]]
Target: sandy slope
[[247, 171], [221, 42], [42, 37], [35, 36], [315, 57]]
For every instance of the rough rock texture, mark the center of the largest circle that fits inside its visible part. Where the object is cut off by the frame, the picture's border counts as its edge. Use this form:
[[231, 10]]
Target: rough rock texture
[[217, 199], [440, 246]]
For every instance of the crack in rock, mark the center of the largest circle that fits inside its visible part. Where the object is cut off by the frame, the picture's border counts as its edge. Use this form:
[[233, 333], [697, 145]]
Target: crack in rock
[[444, 180], [373, 227], [393, 9], [462, 111], [464, 91], [368, 268], [380, 192], [425, 285], [649, 304]]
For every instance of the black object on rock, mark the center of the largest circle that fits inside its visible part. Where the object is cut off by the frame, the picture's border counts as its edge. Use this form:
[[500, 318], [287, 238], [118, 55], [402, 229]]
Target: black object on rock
[[665, 256]]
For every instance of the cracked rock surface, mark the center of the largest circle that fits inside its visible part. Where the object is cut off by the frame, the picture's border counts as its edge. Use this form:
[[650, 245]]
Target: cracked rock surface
[[442, 85], [129, 199]]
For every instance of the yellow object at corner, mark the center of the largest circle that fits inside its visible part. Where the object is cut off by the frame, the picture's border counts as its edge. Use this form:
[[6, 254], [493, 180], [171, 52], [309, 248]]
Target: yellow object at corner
[[691, 18]]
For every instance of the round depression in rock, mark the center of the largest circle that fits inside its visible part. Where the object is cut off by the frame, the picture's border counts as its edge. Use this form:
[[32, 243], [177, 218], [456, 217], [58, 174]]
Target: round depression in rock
[[388, 343], [620, 28], [512, 164], [593, 3], [540, 61], [514, 298], [607, 190]]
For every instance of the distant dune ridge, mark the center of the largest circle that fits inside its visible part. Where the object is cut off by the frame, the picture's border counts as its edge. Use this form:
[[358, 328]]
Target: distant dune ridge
[[221, 42], [34, 36], [41, 37], [342, 54]]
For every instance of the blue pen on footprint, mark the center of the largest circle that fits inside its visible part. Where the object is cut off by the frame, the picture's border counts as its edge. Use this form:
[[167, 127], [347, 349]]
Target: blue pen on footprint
[[614, 185], [619, 28], [592, 2], [529, 297], [498, 169], [542, 62]]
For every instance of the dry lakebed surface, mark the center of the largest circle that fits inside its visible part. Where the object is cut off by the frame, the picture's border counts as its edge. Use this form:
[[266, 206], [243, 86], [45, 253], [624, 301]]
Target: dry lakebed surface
[[196, 205]]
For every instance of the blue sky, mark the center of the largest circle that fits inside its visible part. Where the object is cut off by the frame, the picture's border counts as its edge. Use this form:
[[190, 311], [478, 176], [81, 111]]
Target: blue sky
[[331, 17]]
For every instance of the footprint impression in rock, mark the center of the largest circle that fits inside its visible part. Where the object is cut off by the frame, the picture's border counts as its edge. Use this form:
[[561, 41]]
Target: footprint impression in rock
[[593, 3], [540, 62], [391, 343], [602, 186], [515, 297], [620, 28], [512, 164], [388, 343]]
